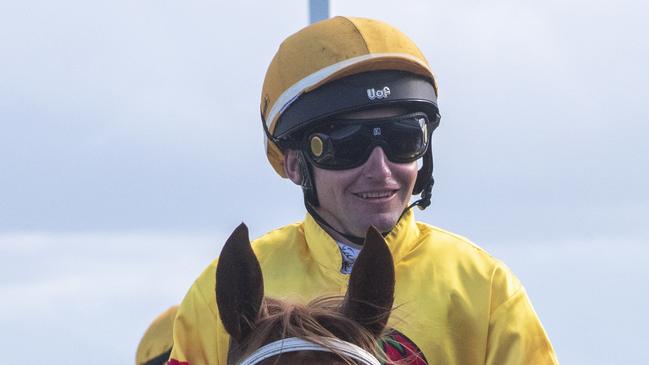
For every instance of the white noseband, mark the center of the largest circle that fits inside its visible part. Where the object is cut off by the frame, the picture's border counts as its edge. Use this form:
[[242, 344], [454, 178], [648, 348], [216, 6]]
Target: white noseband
[[293, 344]]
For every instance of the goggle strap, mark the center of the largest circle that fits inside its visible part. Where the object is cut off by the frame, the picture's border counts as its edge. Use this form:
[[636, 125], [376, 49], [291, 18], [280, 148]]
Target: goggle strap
[[281, 143], [263, 124]]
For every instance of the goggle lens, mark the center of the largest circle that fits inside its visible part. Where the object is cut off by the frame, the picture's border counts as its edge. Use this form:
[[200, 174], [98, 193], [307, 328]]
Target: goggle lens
[[345, 144]]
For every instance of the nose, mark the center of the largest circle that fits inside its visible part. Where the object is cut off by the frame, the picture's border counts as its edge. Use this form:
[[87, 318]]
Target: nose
[[377, 165]]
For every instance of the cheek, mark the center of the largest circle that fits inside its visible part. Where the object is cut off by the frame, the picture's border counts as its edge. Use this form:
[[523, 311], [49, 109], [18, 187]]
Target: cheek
[[406, 173], [332, 183]]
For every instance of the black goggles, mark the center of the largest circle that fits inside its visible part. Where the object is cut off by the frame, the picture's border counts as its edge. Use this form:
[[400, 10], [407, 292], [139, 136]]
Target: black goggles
[[342, 144]]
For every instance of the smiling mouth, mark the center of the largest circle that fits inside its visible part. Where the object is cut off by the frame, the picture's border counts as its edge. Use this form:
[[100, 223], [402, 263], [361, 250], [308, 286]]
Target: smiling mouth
[[376, 195]]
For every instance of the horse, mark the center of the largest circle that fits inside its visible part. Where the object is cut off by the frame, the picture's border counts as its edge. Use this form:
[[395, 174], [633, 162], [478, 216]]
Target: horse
[[328, 330]]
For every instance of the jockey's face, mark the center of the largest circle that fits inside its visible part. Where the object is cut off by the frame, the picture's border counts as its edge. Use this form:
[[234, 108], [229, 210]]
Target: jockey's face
[[374, 193]]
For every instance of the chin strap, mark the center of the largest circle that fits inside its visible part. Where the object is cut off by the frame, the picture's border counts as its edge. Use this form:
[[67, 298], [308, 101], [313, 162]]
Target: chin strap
[[323, 223], [424, 200]]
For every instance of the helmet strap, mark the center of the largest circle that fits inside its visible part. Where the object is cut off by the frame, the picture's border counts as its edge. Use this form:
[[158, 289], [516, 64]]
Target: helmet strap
[[323, 223], [311, 199], [424, 182], [307, 180]]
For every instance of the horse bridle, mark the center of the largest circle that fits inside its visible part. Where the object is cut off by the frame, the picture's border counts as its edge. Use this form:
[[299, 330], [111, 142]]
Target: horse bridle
[[293, 344]]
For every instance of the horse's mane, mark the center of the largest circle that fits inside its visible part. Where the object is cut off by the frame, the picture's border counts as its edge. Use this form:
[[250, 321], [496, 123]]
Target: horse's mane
[[316, 321]]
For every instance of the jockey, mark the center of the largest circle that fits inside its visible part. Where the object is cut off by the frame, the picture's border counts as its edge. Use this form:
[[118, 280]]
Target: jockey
[[348, 107]]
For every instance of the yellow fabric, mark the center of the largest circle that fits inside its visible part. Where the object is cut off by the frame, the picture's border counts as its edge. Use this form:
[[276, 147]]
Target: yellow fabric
[[327, 43], [458, 304], [158, 337]]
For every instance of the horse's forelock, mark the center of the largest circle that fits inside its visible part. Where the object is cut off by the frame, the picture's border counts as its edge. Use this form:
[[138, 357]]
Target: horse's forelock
[[314, 322]]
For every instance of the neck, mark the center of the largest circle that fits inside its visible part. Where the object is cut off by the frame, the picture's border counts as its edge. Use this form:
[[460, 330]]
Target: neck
[[341, 236], [333, 232], [343, 239]]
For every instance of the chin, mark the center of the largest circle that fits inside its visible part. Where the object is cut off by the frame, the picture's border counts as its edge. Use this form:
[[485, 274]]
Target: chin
[[383, 222]]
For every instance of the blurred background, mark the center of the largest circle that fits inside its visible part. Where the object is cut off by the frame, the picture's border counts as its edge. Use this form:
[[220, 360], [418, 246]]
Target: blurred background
[[131, 145]]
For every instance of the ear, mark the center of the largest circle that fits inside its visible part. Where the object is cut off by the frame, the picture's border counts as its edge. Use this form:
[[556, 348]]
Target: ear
[[371, 285], [239, 285], [292, 167]]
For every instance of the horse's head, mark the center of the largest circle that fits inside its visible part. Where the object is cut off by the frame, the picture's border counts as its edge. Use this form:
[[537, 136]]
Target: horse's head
[[326, 331]]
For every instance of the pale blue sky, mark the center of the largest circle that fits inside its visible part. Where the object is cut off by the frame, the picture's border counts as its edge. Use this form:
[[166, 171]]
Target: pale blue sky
[[131, 145]]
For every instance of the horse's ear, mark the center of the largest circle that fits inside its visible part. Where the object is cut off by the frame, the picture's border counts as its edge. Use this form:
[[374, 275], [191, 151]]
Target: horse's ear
[[239, 285], [371, 285]]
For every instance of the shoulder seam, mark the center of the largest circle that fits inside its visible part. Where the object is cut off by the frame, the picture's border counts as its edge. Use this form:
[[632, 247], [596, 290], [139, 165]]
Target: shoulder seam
[[296, 224], [463, 239], [492, 313]]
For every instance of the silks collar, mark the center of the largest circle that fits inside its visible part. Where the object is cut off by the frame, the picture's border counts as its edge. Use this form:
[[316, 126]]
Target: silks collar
[[324, 250]]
